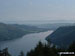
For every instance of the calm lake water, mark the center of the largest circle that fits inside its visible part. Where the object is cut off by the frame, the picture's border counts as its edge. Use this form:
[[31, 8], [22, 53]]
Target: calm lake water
[[25, 44]]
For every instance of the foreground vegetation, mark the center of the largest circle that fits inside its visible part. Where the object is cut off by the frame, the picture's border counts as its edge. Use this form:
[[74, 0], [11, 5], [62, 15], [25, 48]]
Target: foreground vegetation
[[42, 50]]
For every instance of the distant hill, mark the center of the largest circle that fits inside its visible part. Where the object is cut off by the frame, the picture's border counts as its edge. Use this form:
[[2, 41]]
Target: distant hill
[[28, 28], [8, 32], [13, 31], [63, 36], [54, 26]]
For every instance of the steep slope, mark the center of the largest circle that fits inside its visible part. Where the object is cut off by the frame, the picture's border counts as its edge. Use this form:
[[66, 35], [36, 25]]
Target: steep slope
[[63, 36]]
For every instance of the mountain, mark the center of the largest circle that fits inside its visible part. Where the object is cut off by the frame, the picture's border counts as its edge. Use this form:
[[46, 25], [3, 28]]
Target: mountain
[[54, 26], [13, 31], [8, 32], [63, 36], [28, 28]]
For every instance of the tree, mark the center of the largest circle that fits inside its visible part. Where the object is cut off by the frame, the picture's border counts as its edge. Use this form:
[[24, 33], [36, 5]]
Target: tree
[[4, 52], [72, 47], [43, 50], [21, 53]]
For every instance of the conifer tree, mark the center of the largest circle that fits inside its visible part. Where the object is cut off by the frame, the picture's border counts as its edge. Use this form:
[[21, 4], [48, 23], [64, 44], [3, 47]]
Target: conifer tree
[[4, 52], [21, 53], [72, 47]]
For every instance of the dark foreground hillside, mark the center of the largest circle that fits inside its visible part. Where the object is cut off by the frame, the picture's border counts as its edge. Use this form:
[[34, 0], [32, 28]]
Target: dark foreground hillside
[[63, 36]]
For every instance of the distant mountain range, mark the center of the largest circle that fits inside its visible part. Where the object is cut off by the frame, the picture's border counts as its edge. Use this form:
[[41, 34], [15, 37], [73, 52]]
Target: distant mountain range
[[54, 26], [13, 31], [63, 36]]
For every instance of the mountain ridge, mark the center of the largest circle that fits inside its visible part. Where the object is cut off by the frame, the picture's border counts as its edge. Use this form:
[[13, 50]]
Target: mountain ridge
[[13, 31], [63, 36]]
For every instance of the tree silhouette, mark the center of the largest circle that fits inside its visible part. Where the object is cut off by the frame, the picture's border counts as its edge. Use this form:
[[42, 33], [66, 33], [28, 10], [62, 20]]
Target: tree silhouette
[[72, 47], [4, 52], [43, 50], [21, 53]]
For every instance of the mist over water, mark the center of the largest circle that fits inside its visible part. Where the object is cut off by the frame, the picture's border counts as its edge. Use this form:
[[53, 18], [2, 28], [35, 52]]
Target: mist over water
[[36, 22]]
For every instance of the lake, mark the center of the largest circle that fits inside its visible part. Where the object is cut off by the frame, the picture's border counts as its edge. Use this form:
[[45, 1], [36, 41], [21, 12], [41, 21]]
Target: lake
[[25, 43]]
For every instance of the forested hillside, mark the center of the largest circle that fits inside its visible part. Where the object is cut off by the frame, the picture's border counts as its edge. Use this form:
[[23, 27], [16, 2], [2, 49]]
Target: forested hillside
[[13, 31], [8, 32], [63, 36]]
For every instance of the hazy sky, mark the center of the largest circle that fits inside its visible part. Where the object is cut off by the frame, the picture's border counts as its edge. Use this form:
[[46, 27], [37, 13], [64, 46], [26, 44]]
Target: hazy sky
[[21, 10]]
